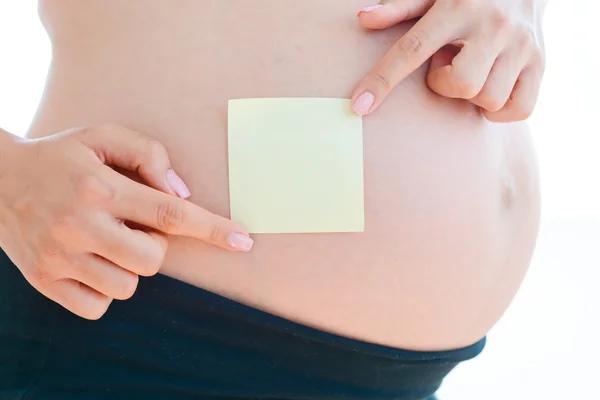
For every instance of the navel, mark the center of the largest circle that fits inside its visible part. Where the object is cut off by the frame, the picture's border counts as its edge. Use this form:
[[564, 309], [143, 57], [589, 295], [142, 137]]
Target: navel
[[508, 190]]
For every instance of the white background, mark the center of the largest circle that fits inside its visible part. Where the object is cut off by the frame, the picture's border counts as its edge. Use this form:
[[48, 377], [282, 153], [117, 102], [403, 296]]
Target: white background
[[548, 344]]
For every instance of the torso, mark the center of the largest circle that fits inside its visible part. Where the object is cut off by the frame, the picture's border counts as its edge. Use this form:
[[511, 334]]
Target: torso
[[451, 200]]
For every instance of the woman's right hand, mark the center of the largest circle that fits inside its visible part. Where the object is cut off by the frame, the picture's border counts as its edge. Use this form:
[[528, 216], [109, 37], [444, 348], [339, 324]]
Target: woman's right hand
[[66, 216]]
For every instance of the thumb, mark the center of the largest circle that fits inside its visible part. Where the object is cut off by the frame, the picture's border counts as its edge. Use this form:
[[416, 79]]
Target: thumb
[[391, 12], [136, 152]]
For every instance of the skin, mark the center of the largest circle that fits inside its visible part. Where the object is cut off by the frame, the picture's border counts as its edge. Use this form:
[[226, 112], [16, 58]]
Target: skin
[[69, 236], [452, 200], [490, 52]]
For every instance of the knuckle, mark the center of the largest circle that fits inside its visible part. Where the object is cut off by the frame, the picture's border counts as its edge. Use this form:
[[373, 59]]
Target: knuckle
[[126, 287], [500, 20], [462, 4], [156, 260], [215, 233], [412, 43], [523, 112], [92, 188], [469, 91], [108, 127], [50, 251], [41, 276], [97, 311], [151, 268], [152, 262], [464, 88], [520, 111], [86, 131], [490, 103], [527, 40], [493, 105], [496, 116], [381, 80], [170, 217], [154, 150], [63, 224]]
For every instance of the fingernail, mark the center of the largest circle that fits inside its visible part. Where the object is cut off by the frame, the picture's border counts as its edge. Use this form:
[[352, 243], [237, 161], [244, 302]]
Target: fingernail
[[240, 242], [363, 103], [177, 184], [370, 8]]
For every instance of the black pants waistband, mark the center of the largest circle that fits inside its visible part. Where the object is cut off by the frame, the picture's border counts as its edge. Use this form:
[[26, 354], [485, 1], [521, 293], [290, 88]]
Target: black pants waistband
[[176, 341]]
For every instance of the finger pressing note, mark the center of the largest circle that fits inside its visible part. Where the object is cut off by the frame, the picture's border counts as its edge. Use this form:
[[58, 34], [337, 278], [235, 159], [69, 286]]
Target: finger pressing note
[[389, 13], [407, 54], [175, 216]]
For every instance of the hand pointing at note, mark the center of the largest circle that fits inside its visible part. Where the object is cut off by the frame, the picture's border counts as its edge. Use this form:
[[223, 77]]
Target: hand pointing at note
[[67, 223], [496, 57]]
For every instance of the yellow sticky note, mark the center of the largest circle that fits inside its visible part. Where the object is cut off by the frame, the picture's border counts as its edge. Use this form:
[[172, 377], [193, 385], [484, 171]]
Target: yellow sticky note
[[296, 165]]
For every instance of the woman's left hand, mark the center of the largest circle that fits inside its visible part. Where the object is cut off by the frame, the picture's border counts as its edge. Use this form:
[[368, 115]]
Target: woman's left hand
[[495, 58]]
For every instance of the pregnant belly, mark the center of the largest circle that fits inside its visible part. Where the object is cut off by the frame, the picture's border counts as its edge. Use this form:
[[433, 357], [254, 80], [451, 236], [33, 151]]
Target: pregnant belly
[[451, 201]]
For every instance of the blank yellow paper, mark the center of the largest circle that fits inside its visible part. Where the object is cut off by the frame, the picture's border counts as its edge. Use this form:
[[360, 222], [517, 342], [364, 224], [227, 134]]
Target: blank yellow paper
[[296, 165]]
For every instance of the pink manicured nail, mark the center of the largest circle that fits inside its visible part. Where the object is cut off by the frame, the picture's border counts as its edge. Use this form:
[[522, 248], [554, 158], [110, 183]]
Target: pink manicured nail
[[371, 8], [363, 103], [177, 184], [240, 242]]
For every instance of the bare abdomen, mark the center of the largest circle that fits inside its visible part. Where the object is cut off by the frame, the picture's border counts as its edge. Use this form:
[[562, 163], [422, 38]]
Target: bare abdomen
[[451, 200]]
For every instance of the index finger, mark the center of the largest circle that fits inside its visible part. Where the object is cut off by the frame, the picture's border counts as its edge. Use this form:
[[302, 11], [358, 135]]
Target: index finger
[[175, 216], [426, 37]]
